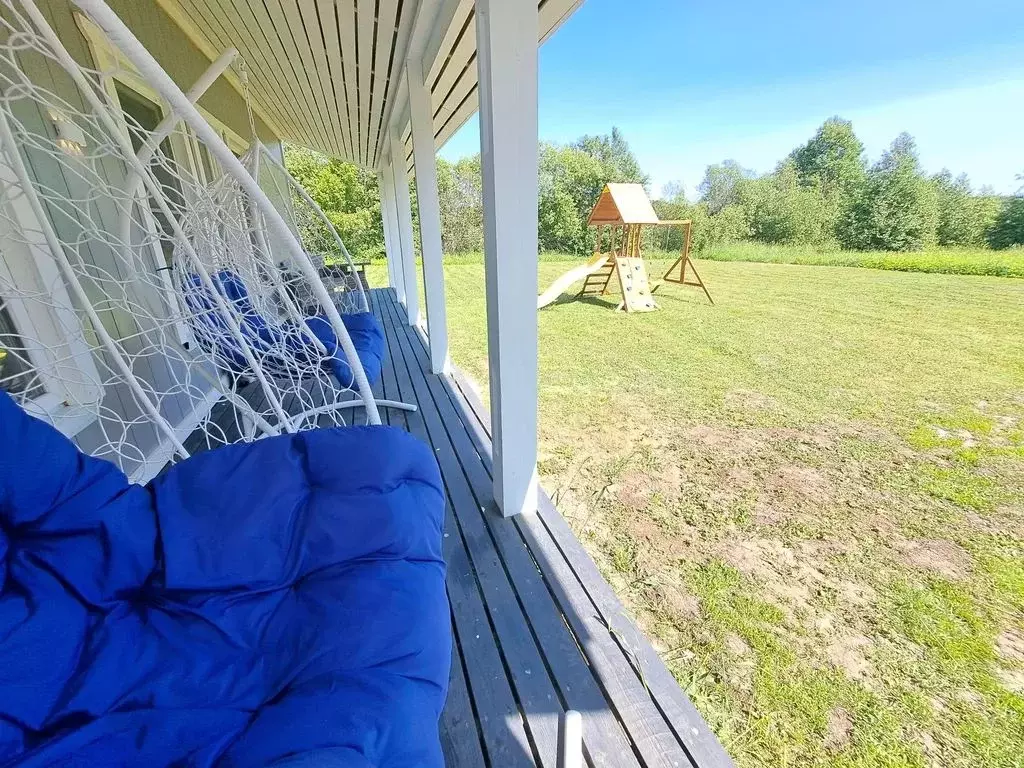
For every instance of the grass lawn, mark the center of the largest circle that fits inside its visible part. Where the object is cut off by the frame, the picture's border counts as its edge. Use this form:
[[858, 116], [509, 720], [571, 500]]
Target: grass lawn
[[955, 261], [810, 495]]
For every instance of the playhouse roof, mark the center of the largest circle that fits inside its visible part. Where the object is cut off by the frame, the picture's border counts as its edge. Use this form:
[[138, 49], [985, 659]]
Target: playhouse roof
[[623, 204]]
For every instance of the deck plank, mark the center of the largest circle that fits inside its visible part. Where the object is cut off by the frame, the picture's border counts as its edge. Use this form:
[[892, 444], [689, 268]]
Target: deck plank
[[535, 691], [459, 729], [625, 692], [605, 742], [501, 722]]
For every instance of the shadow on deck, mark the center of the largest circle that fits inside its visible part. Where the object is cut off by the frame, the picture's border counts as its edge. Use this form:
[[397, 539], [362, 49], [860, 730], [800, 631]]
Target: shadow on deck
[[536, 628]]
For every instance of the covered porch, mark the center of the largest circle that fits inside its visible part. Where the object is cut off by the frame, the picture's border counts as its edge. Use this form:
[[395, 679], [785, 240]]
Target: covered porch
[[537, 630]]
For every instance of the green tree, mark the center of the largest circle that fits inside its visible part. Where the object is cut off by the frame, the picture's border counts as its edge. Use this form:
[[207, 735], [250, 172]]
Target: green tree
[[964, 218], [896, 208], [780, 210], [832, 163], [460, 197], [612, 151], [1008, 229], [347, 194], [718, 188], [833, 160]]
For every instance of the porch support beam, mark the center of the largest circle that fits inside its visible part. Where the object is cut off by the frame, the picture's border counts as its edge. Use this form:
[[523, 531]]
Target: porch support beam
[[425, 161], [403, 203], [392, 244], [506, 33]]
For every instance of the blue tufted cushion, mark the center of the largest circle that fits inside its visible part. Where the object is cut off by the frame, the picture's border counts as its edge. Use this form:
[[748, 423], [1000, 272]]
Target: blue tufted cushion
[[271, 341], [277, 601]]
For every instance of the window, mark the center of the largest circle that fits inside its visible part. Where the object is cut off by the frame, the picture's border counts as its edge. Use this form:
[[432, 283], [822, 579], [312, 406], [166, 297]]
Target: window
[[147, 116], [45, 361], [17, 375], [145, 110]]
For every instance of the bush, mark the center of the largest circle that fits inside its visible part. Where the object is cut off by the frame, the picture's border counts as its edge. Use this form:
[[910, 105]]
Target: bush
[[964, 218], [1008, 229], [780, 210], [461, 201], [896, 208]]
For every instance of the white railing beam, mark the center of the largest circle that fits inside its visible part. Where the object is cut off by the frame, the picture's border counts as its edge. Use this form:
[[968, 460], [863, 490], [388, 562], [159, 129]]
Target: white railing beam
[[421, 118], [506, 33], [403, 203], [392, 243]]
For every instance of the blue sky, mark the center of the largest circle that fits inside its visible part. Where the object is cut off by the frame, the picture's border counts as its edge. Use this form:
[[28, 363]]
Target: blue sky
[[693, 83]]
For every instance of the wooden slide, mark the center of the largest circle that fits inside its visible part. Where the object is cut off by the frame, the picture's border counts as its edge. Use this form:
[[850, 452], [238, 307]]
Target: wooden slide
[[574, 275]]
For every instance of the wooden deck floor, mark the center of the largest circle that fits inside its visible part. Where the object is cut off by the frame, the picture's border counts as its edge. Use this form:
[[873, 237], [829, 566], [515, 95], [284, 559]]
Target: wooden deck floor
[[536, 628]]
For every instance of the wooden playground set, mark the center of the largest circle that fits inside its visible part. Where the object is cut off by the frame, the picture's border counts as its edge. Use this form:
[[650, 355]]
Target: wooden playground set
[[620, 216]]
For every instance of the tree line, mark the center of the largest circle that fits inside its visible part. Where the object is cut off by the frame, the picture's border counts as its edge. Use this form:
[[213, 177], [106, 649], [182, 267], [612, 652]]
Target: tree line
[[825, 193]]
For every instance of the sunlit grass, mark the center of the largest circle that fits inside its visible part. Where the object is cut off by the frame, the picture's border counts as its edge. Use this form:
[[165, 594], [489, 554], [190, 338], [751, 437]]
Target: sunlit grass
[[954, 261], [811, 496]]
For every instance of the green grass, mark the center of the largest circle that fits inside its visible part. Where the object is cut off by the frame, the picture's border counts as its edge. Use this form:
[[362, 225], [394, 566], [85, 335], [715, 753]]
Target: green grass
[[954, 261], [810, 495]]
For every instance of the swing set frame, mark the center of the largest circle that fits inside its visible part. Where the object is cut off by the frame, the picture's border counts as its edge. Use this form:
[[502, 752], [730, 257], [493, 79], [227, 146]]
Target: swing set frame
[[676, 273]]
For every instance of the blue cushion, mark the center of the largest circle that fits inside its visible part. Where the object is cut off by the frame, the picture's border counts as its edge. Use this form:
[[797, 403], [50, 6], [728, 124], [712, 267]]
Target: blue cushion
[[279, 600], [273, 343]]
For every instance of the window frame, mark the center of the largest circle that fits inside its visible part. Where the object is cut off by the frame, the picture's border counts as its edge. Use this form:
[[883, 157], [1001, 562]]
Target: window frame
[[185, 146]]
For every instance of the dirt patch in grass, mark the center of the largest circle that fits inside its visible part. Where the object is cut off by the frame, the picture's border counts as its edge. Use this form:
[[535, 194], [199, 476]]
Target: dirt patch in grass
[[1010, 646], [634, 489], [683, 604], [945, 558], [849, 653], [838, 730]]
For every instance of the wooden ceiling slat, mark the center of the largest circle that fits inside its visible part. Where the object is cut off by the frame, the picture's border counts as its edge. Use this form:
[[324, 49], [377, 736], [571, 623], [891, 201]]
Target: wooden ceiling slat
[[383, 59], [295, 72], [464, 50], [366, 19], [263, 77], [315, 36], [346, 26], [259, 58], [219, 40], [291, 29], [327, 10], [461, 21], [324, 71], [464, 82]]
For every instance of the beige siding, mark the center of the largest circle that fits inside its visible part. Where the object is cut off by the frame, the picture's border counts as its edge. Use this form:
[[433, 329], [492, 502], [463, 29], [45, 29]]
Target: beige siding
[[169, 46]]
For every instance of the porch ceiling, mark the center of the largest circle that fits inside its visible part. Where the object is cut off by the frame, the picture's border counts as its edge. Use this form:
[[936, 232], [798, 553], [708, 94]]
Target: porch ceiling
[[327, 74]]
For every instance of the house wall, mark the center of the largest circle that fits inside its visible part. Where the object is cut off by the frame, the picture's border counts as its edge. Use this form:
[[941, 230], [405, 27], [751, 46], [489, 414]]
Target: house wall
[[164, 370], [169, 46]]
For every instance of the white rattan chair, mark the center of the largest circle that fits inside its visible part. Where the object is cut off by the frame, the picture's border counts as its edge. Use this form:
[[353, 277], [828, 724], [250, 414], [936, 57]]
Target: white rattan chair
[[136, 292]]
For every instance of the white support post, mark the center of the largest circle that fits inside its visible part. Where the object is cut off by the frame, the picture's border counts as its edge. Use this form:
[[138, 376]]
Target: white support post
[[395, 258], [403, 203], [422, 123], [390, 249], [506, 33]]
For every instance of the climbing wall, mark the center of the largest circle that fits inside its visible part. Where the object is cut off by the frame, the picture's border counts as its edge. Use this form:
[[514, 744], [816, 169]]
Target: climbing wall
[[636, 292]]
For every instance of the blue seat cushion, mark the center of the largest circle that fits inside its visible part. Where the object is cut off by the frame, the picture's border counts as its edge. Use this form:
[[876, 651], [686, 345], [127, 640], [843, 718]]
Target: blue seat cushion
[[279, 601], [278, 346]]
